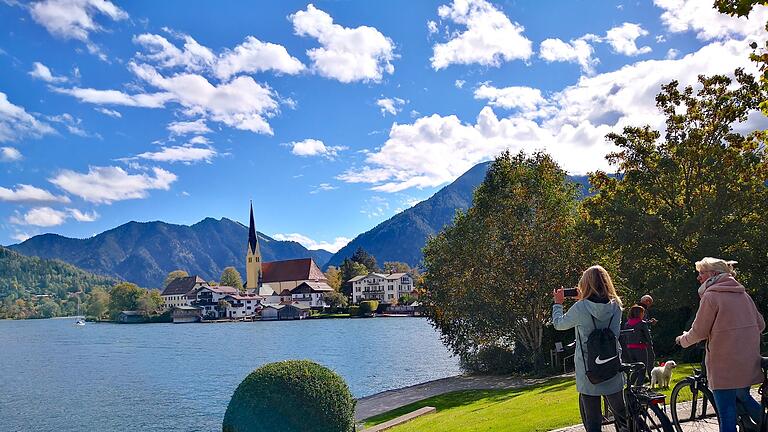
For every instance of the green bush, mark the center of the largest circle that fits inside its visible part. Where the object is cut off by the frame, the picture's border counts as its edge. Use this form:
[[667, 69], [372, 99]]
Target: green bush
[[291, 396], [368, 307], [354, 311]]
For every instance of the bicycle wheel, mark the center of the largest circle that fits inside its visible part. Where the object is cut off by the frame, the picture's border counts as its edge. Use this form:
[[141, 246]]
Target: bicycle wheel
[[692, 407], [652, 419]]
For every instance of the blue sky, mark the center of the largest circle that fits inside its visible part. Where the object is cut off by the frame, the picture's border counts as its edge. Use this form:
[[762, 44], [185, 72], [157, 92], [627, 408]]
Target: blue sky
[[332, 116]]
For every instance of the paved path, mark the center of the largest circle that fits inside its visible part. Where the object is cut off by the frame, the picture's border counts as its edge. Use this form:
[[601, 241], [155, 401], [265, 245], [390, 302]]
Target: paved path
[[386, 401]]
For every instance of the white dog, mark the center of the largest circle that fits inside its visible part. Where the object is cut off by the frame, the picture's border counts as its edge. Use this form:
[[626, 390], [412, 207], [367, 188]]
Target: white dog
[[662, 375]]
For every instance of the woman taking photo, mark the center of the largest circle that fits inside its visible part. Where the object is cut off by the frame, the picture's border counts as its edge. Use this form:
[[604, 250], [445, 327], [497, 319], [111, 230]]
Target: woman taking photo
[[730, 323], [598, 307]]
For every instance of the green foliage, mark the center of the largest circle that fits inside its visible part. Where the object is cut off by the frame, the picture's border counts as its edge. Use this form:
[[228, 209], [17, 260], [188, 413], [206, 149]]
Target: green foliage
[[489, 277], [362, 257], [396, 267], [333, 275], [738, 7], [22, 278], [150, 302], [231, 277], [291, 396], [98, 304], [698, 191], [354, 311], [173, 276], [124, 296], [350, 269], [406, 300], [368, 307], [335, 300]]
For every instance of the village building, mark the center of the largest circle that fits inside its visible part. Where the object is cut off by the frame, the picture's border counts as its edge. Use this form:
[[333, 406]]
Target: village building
[[176, 293], [311, 294], [284, 312], [186, 314], [282, 277], [207, 298], [386, 288], [130, 317], [242, 305]]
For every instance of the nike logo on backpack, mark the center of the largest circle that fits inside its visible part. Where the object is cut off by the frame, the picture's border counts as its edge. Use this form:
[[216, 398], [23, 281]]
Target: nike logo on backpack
[[600, 361]]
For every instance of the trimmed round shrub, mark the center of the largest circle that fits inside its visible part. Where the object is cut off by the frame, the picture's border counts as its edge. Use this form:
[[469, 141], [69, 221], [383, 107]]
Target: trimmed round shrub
[[368, 307], [291, 396]]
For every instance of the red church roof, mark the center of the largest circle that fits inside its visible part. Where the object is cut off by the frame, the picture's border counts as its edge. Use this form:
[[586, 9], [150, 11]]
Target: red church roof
[[291, 270]]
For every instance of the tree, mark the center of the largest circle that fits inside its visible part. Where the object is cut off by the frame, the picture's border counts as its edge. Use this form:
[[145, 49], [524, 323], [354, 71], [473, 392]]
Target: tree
[[223, 305], [698, 191], [150, 303], [335, 300], [124, 296], [350, 269], [362, 257], [231, 277], [173, 276], [490, 275], [396, 267], [333, 275], [98, 303], [48, 309]]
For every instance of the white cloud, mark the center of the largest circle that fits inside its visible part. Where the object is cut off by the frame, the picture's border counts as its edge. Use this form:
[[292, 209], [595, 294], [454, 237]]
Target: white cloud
[[9, 154], [390, 105], [74, 19], [490, 37], [109, 112], [346, 54], [72, 124], [194, 57], [672, 54], [199, 140], [576, 51], [188, 127], [436, 149], [254, 55], [700, 17], [41, 71], [40, 216], [431, 27], [24, 193], [116, 97], [323, 187], [16, 122], [623, 39], [21, 236], [186, 154], [314, 147], [527, 99], [334, 246], [108, 184], [83, 216], [459, 83]]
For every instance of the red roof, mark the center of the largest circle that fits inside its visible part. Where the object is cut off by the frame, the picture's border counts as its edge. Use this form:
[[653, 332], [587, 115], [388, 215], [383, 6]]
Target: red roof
[[291, 270]]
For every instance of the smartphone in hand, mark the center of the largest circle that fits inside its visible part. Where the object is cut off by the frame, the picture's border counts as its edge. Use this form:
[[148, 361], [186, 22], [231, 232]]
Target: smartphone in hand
[[571, 292]]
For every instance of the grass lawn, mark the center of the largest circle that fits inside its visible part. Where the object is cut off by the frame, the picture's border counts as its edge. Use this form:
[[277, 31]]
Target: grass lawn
[[543, 407]]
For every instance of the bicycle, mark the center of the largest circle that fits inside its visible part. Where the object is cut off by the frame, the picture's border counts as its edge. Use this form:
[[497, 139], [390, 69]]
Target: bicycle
[[692, 405], [643, 405]]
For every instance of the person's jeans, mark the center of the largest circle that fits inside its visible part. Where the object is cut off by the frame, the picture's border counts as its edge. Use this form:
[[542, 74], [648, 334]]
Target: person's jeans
[[725, 400], [592, 412]]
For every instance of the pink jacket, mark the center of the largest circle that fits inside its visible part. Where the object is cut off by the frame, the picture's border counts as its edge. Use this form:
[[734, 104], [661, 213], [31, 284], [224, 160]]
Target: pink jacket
[[728, 319]]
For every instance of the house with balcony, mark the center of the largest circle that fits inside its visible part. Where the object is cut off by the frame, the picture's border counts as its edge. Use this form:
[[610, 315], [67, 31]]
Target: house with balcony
[[177, 291], [310, 293], [242, 306], [207, 298], [386, 288]]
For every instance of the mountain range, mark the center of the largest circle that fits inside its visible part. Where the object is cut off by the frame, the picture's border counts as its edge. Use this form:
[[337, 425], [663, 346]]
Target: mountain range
[[145, 252], [402, 237]]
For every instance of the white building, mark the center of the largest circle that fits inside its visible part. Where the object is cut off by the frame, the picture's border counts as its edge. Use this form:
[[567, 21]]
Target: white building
[[386, 288], [242, 305], [207, 297], [311, 294], [176, 293]]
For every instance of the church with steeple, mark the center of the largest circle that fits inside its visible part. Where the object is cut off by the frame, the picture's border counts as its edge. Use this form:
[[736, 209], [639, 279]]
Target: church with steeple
[[280, 277]]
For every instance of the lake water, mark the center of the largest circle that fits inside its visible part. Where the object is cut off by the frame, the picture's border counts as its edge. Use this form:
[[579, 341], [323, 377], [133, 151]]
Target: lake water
[[110, 377]]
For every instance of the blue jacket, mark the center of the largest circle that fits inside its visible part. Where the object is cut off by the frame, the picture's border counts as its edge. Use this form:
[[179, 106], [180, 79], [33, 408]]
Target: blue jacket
[[579, 316]]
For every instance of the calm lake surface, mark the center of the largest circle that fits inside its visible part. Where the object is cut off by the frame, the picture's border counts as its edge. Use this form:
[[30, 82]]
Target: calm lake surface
[[110, 377]]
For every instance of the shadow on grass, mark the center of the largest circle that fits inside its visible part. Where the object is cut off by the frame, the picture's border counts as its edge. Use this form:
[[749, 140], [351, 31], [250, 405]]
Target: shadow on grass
[[466, 397]]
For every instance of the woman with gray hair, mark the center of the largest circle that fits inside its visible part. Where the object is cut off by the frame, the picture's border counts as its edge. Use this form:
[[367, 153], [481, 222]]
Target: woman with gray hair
[[730, 323]]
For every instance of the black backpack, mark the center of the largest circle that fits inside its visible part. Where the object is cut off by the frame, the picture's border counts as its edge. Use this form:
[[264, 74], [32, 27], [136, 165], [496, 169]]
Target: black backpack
[[602, 361]]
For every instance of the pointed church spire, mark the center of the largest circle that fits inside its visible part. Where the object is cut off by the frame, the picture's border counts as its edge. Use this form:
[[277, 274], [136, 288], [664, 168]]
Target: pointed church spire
[[253, 241]]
